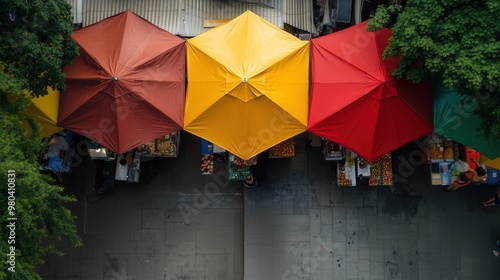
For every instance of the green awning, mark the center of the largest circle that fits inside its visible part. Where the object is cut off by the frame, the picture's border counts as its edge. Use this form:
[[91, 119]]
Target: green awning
[[454, 118]]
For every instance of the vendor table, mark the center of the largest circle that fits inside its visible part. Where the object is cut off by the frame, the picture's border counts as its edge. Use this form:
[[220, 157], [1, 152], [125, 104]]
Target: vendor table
[[363, 171], [349, 170], [346, 172], [238, 168]]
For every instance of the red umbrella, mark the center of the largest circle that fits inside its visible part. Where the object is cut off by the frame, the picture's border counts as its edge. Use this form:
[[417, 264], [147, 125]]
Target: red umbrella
[[354, 99], [127, 87]]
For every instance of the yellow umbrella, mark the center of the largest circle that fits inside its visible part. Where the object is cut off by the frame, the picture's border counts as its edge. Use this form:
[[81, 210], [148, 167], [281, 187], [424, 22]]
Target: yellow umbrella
[[247, 85], [45, 110], [492, 163]]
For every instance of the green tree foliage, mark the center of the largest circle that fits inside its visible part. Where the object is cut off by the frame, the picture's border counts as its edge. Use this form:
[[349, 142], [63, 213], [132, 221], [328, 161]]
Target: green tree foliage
[[35, 42], [456, 40], [34, 46]]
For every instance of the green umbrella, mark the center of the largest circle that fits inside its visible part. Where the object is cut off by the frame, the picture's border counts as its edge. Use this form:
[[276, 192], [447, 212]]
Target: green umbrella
[[454, 118]]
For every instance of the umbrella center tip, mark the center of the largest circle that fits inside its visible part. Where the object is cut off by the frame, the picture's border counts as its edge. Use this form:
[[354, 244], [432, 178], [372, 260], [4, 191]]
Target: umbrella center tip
[[114, 78], [245, 79]]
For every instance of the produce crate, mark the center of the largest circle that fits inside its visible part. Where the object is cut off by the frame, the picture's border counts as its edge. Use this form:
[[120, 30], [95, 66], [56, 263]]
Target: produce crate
[[284, 149], [381, 171]]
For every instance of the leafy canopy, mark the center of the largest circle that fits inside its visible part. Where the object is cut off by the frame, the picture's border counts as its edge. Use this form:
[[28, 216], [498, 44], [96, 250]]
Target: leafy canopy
[[35, 42], [456, 40], [34, 47]]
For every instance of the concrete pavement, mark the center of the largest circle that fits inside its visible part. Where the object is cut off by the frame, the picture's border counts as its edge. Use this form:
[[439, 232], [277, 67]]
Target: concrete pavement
[[297, 225]]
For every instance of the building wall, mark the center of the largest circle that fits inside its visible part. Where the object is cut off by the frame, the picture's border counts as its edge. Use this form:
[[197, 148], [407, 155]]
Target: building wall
[[187, 17]]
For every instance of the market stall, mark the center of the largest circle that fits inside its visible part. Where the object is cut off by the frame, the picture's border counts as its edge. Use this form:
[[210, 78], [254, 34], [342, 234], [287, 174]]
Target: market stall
[[441, 153], [352, 168], [58, 153], [165, 146]]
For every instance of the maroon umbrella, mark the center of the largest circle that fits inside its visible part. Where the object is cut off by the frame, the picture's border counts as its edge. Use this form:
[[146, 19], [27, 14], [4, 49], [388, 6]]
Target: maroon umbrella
[[127, 87]]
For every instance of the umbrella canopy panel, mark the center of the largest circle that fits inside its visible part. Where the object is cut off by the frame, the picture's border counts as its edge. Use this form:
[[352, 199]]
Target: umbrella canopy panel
[[354, 99], [491, 163], [247, 85], [454, 118], [127, 87], [45, 109]]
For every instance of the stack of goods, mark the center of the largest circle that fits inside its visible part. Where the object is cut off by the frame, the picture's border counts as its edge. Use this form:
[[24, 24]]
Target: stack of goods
[[165, 146], [381, 171], [332, 151], [148, 148], [471, 155], [450, 149], [283, 149], [438, 150]]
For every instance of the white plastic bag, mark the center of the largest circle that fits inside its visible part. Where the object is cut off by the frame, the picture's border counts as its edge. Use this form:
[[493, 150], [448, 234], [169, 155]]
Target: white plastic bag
[[461, 166]]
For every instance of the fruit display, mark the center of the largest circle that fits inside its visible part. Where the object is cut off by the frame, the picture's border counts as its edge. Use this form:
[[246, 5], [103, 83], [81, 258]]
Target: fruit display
[[238, 161], [283, 149], [207, 164], [346, 172], [166, 146], [381, 171]]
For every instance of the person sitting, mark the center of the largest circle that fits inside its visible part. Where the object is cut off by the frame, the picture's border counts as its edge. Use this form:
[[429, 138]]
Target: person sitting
[[462, 181], [250, 181], [478, 174], [495, 200]]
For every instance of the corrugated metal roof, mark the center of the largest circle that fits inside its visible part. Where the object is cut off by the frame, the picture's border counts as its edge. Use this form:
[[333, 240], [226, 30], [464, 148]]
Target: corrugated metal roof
[[74, 5], [300, 14], [186, 17]]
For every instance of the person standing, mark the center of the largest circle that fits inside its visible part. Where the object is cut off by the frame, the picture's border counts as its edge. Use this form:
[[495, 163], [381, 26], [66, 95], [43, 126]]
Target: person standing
[[250, 182]]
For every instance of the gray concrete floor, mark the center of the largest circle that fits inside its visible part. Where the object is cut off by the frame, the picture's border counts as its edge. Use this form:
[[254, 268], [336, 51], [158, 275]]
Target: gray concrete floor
[[296, 225]]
